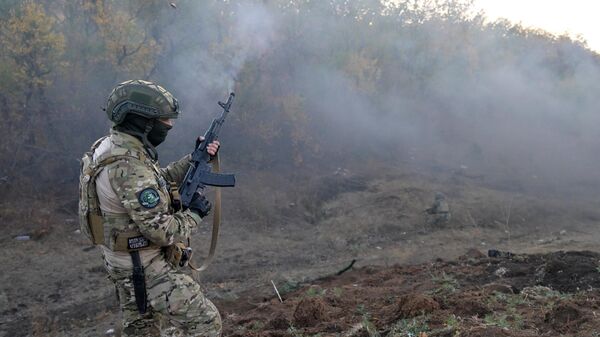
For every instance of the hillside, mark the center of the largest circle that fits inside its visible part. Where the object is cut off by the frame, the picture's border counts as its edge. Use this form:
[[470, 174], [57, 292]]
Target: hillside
[[349, 118], [294, 234]]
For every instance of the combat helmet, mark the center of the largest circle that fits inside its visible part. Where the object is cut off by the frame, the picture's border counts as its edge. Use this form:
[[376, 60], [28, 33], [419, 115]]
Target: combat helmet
[[135, 106], [143, 98]]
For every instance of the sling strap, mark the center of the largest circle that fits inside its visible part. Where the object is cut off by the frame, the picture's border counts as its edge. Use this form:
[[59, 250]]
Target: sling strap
[[216, 222]]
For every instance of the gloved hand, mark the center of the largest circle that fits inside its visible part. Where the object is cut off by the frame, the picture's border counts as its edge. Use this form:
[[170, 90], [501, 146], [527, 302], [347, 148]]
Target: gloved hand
[[200, 205]]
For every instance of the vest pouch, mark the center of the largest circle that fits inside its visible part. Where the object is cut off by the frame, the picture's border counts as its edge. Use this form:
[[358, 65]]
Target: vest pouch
[[178, 255], [91, 222], [84, 204]]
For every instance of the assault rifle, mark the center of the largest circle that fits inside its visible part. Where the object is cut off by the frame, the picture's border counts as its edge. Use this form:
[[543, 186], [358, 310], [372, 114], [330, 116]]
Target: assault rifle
[[199, 174]]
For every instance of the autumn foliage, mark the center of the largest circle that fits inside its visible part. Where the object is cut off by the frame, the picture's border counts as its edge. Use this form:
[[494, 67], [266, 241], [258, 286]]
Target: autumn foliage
[[59, 60]]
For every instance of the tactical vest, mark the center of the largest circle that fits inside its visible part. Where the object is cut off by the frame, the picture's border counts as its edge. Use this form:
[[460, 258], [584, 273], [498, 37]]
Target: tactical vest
[[115, 231]]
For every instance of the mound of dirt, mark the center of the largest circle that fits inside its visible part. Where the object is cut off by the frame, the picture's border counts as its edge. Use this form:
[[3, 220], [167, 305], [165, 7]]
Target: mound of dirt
[[465, 297], [412, 305], [570, 271], [279, 322], [310, 312], [470, 307], [488, 332], [562, 271], [498, 288], [565, 317]]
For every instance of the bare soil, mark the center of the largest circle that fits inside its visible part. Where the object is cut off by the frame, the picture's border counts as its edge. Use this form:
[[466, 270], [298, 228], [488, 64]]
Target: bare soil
[[300, 230], [465, 297]]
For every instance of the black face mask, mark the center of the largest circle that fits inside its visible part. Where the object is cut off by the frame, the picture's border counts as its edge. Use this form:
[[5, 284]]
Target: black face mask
[[158, 133], [136, 125], [133, 125]]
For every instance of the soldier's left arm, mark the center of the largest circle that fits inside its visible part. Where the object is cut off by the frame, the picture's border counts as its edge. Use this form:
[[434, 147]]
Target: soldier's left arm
[[175, 171]]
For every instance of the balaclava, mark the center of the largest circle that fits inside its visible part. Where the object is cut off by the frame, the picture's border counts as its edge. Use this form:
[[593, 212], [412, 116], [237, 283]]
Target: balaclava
[[150, 131]]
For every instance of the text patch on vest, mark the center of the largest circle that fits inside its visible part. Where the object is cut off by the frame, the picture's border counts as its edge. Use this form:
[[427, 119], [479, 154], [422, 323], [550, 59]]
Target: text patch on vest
[[137, 242]]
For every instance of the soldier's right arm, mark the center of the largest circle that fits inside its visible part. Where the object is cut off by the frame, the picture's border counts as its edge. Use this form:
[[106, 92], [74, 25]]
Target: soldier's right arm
[[147, 204]]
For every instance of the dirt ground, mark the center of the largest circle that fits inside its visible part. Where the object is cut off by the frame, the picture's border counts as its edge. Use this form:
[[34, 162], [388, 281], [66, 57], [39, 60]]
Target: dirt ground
[[298, 231], [521, 295]]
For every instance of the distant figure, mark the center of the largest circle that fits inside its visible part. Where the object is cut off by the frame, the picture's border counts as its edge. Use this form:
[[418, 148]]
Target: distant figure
[[439, 212], [340, 171]]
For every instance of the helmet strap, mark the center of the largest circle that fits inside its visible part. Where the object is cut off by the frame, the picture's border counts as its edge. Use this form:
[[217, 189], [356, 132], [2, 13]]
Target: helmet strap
[[149, 147], [135, 130]]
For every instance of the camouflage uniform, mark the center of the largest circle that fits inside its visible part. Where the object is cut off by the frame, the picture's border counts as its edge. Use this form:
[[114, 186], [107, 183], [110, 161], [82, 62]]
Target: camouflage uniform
[[133, 194]]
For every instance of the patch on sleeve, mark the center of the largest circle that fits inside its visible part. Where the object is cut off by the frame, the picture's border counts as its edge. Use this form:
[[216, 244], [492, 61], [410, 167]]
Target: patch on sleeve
[[149, 198]]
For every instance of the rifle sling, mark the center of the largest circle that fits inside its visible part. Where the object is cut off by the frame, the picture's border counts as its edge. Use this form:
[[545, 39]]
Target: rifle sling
[[216, 222]]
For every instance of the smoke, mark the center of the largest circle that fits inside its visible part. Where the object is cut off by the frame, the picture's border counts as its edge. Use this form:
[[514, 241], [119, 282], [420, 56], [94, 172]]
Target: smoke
[[513, 106], [254, 32], [213, 44], [525, 118], [351, 82], [213, 50]]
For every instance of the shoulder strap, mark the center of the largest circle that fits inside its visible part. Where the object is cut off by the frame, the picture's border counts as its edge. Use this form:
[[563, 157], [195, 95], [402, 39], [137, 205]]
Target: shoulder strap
[[113, 156], [97, 144], [91, 171]]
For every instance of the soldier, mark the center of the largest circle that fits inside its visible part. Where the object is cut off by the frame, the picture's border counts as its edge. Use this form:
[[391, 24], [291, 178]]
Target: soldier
[[127, 208], [439, 212]]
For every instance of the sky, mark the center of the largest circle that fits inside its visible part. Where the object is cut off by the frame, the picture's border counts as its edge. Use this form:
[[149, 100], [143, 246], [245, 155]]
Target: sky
[[576, 17]]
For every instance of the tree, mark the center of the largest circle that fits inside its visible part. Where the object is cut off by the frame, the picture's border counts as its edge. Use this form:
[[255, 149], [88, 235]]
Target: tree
[[128, 47], [32, 51], [33, 46]]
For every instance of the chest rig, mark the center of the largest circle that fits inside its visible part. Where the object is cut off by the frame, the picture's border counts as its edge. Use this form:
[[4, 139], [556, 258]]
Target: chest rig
[[115, 231]]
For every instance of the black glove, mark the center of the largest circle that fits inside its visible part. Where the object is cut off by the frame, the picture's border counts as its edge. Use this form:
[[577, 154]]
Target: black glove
[[200, 205]]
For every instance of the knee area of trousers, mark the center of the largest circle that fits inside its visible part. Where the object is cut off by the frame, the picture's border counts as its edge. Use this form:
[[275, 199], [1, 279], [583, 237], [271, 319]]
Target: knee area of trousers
[[185, 296], [207, 325]]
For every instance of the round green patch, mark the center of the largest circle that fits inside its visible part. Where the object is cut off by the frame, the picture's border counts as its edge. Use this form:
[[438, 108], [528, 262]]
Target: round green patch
[[149, 198]]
